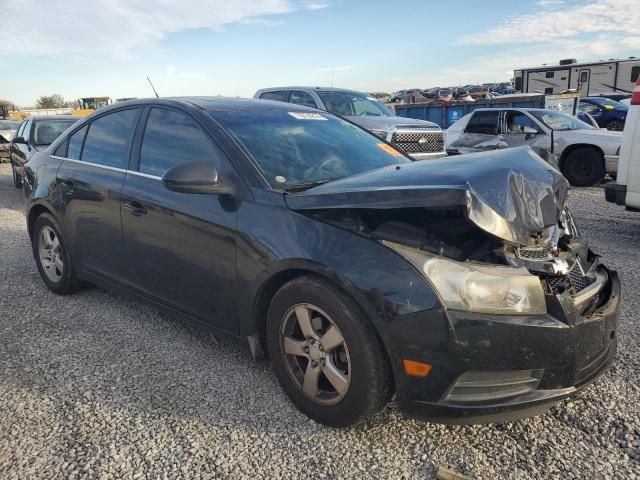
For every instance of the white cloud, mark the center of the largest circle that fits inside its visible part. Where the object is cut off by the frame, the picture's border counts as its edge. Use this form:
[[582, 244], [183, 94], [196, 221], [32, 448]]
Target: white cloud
[[614, 18], [119, 27]]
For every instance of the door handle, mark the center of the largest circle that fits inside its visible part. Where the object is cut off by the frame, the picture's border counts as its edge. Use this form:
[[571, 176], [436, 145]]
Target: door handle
[[135, 208]]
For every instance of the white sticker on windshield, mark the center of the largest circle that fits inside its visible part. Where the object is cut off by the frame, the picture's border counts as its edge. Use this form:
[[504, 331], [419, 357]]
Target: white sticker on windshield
[[307, 116], [280, 179]]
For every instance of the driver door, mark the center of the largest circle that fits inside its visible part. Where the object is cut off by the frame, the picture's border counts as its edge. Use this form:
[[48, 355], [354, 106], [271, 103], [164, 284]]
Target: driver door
[[180, 247]]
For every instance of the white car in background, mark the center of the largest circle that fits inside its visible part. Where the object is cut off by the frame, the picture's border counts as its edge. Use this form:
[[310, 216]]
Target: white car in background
[[583, 154], [626, 189], [8, 129]]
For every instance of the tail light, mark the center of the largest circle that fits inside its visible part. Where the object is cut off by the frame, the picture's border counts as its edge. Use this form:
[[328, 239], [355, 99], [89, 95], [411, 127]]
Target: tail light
[[635, 97]]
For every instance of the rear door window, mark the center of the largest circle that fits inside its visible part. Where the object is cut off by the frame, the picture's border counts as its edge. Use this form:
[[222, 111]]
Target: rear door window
[[172, 137], [75, 144], [281, 96], [484, 122], [109, 138], [302, 98]]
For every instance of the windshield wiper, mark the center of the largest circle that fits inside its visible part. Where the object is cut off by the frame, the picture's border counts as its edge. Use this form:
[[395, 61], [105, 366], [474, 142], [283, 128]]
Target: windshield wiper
[[300, 187]]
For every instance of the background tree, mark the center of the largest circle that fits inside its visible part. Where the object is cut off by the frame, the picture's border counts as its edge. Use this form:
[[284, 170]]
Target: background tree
[[50, 101]]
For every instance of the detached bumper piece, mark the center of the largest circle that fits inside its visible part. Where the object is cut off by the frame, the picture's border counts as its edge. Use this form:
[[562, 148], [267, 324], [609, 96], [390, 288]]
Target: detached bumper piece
[[495, 368], [615, 193]]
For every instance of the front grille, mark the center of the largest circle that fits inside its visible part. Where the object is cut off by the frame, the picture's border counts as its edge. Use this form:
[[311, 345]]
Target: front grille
[[418, 142], [575, 280], [536, 253]]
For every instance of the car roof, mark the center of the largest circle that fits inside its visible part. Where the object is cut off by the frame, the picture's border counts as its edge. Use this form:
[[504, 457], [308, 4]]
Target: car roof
[[316, 88], [211, 103], [522, 109], [52, 117]]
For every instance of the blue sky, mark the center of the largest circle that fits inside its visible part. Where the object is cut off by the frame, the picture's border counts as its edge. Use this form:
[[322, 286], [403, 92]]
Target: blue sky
[[210, 47]]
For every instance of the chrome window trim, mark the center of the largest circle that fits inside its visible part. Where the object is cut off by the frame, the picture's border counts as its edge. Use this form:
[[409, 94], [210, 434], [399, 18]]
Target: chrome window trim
[[107, 167]]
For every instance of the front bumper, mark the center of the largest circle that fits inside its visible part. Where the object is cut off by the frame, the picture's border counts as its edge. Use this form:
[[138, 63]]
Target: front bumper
[[571, 351], [611, 163]]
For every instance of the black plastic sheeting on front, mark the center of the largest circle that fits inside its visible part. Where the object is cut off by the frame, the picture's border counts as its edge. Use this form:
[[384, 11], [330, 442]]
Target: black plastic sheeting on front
[[512, 194]]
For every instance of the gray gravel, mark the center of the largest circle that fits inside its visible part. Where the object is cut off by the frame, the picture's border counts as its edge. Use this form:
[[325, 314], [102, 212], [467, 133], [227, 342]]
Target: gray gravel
[[95, 386]]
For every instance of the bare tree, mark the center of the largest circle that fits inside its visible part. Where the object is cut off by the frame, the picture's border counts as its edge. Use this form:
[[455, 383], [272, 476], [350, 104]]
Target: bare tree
[[50, 101]]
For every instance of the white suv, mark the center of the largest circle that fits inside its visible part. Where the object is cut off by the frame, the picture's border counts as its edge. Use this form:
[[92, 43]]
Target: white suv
[[626, 190]]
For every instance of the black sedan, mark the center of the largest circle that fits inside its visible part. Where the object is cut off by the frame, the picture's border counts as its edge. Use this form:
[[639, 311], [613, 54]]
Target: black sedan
[[34, 134], [459, 284]]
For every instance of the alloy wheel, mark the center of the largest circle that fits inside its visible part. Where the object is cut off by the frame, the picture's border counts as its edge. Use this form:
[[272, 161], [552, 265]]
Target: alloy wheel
[[50, 254], [315, 354]]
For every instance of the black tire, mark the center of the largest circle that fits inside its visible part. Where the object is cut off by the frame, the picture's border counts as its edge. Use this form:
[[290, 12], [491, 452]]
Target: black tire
[[371, 381], [616, 125], [584, 167], [17, 180], [68, 281]]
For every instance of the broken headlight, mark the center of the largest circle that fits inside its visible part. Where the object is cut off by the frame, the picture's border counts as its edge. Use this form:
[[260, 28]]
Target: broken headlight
[[474, 287]]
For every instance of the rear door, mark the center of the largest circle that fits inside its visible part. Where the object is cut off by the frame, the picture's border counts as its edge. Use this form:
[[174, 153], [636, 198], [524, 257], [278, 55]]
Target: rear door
[[180, 247], [20, 151], [90, 179], [584, 78], [481, 133]]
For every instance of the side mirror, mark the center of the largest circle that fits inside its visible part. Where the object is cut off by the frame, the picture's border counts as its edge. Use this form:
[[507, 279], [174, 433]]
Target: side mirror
[[20, 140], [195, 177]]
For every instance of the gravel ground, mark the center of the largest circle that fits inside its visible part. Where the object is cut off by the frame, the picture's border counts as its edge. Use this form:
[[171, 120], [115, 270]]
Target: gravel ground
[[95, 386]]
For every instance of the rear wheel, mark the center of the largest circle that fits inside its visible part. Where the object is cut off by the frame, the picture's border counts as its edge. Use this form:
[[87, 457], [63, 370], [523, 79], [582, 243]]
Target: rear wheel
[[617, 125], [584, 167], [326, 354], [52, 257], [17, 180]]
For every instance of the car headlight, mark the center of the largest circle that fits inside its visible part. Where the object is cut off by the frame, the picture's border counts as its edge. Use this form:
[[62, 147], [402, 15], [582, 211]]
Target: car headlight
[[380, 133], [474, 287]]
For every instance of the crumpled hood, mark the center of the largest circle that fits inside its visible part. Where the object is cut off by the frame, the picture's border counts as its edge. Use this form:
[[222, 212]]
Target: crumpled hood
[[388, 123], [512, 194]]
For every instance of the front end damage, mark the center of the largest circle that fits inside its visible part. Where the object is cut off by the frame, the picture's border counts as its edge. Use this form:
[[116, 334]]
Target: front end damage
[[503, 212]]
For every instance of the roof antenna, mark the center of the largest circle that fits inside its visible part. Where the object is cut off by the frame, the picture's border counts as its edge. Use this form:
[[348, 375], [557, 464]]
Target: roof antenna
[[152, 87]]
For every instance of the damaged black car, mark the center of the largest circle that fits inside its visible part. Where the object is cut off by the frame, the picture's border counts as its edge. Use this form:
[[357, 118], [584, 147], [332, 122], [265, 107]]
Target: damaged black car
[[462, 285]]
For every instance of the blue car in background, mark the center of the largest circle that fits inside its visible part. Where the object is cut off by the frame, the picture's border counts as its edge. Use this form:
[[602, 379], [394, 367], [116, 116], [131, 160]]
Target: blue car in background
[[607, 113]]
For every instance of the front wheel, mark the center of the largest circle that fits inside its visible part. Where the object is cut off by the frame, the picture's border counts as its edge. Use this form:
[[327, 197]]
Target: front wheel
[[584, 167], [326, 354], [52, 256]]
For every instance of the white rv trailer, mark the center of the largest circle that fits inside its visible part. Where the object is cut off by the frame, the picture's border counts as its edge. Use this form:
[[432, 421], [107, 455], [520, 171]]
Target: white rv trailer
[[587, 78]]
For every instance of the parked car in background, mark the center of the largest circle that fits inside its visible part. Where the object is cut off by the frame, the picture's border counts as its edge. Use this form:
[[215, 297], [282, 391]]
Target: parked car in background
[[421, 139], [468, 295], [413, 95], [445, 95], [582, 153], [609, 114], [626, 189], [34, 134], [7, 131]]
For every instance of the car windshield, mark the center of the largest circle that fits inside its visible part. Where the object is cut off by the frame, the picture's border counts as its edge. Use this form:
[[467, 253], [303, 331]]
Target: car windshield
[[560, 121], [46, 131], [609, 104], [299, 149], [353, 104]]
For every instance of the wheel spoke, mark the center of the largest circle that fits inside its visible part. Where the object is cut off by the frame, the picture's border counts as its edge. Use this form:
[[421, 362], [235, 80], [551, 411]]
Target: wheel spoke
[[58, 263], [55, 244], [310, 386], [335, 377], [293, 347], [332, 339], [304, 320]]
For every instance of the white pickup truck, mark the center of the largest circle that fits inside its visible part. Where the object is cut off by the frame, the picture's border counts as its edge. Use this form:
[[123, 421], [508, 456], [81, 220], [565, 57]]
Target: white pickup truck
[[581, 152], [626, 189]]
